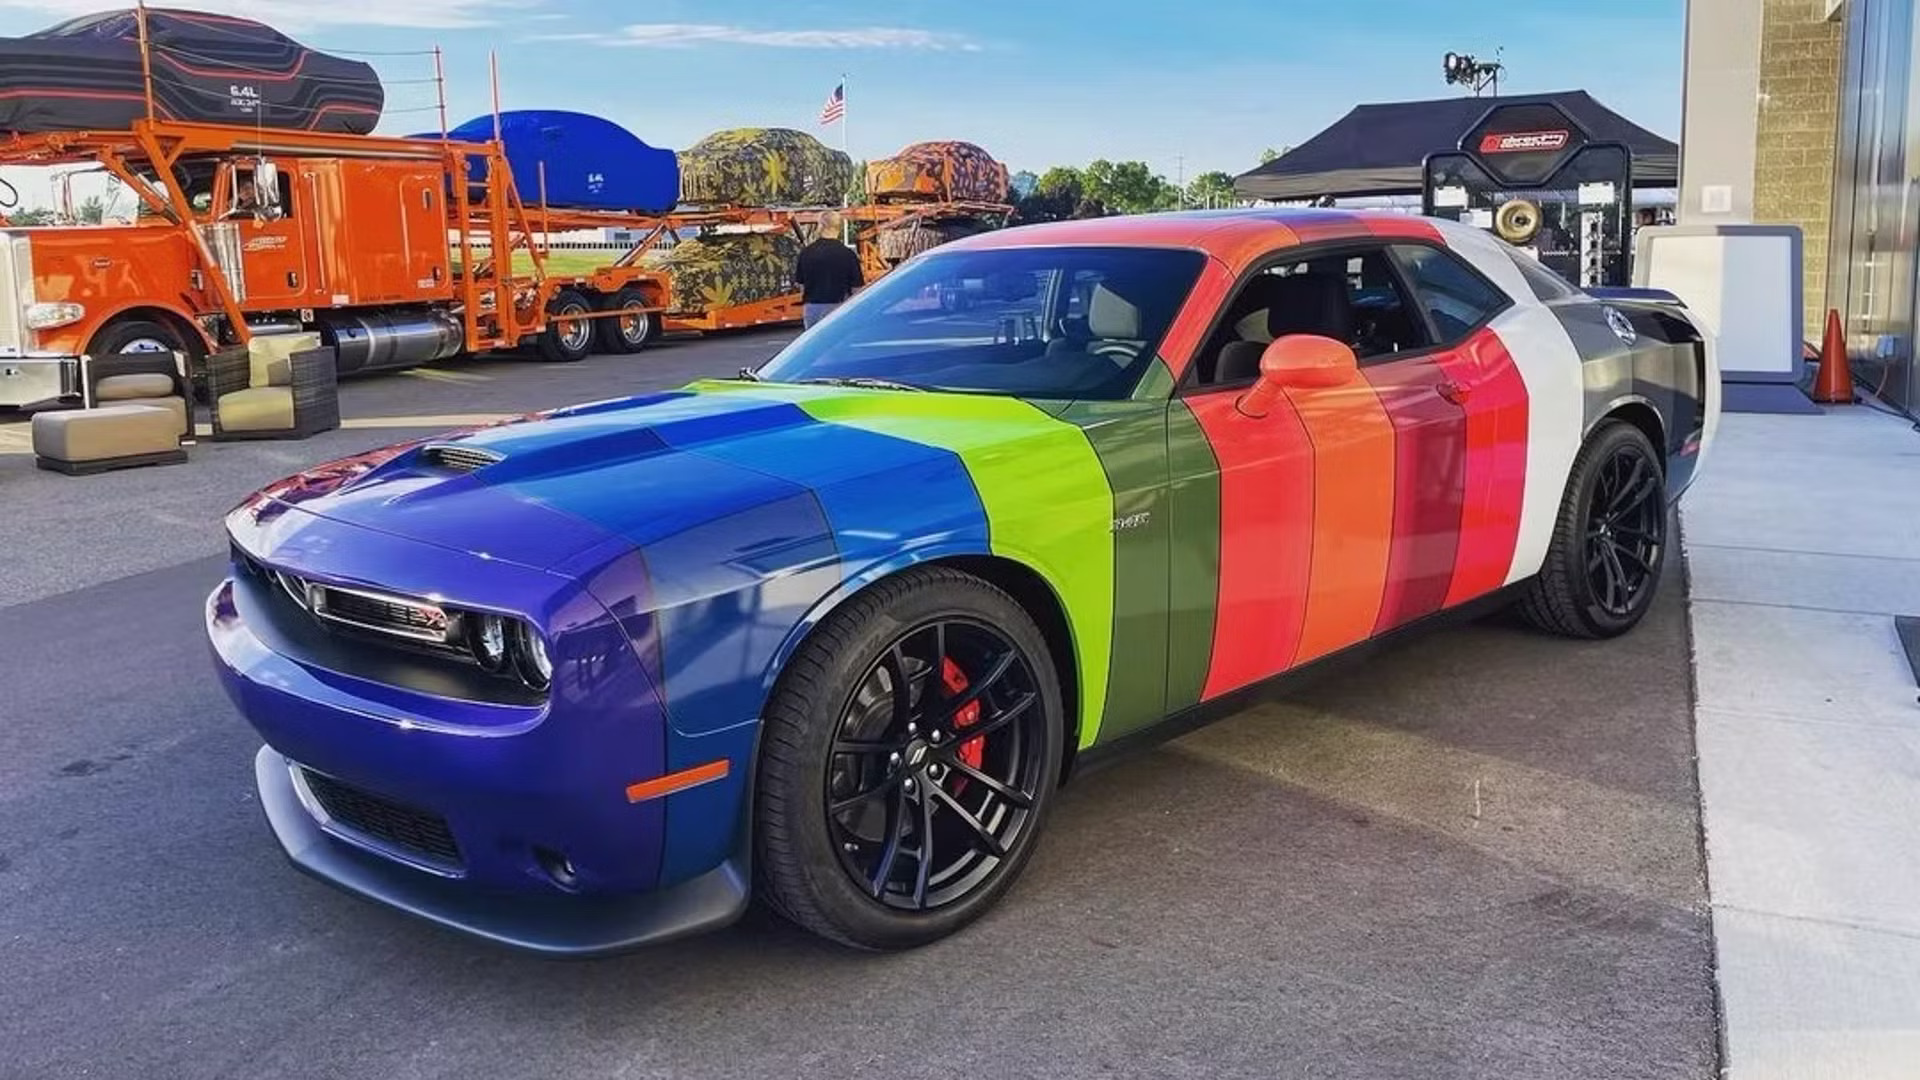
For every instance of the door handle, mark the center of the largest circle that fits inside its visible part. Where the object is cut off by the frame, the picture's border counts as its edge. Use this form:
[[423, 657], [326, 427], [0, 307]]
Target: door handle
[[1453, 391]]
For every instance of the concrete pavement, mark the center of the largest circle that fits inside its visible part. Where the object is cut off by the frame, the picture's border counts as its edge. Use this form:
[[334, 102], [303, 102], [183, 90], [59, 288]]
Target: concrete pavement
[[1803, 540]]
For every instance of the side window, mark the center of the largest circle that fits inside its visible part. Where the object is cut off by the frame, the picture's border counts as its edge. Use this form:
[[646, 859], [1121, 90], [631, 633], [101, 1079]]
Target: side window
[[1454, 296], [1384, 323], [1547, 286], [1352, 296]]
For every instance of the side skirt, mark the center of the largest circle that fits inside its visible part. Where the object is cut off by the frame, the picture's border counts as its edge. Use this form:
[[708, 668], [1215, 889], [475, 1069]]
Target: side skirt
[[1194, 718]]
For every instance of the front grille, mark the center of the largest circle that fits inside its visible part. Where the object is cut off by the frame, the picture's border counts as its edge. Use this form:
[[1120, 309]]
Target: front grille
[[462, 459], [414, 832], [370, 611]]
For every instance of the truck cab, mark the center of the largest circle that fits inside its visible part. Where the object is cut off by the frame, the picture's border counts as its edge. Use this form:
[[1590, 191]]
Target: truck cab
[[300, 242]]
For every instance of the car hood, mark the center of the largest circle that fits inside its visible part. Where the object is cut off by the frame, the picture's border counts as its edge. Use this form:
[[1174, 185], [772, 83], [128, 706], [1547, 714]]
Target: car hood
[[547, 489]]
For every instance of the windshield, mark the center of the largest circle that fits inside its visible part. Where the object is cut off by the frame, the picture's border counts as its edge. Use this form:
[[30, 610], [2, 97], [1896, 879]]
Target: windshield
[[1070, 322]]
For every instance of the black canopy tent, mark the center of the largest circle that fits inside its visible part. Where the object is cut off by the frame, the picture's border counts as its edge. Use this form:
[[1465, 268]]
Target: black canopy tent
[[1378, 149]]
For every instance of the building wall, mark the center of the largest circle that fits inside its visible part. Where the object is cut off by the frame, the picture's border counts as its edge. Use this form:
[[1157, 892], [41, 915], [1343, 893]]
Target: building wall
[[1801, 51], [1719, 118]]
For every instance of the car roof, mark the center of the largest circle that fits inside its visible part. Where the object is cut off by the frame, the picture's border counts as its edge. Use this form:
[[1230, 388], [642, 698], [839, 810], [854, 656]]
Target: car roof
[[1234, 236]]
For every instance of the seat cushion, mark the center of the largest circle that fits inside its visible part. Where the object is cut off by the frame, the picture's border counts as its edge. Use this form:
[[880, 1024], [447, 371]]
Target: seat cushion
[[112, 431], [131, 387], [263, 408], [267, 351]]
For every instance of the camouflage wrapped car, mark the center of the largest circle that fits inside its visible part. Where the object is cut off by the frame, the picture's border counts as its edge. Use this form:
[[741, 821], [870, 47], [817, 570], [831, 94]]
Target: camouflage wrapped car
[[900, 242], [940, 172], [720, 270], [763, 167]]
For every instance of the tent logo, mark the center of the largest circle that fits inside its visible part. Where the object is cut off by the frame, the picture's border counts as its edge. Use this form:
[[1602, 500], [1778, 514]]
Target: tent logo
[[1520, 142]]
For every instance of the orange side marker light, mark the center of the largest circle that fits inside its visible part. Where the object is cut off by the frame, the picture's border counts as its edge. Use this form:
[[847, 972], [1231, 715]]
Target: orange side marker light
[[679, 781]]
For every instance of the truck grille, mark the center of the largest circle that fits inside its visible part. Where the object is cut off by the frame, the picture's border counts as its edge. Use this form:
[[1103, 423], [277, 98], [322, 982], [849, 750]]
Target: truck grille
[[412, 832], [16, 292]]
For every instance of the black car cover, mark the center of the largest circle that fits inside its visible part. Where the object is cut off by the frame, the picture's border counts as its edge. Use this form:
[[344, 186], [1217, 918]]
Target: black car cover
[[85, 75]]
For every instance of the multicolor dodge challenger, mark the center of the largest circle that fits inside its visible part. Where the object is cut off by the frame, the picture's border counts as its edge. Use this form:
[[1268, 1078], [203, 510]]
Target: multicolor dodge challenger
[[834, 631]]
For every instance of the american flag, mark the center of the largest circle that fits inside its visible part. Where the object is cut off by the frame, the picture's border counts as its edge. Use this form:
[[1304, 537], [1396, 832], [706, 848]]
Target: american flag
[[836, 106]]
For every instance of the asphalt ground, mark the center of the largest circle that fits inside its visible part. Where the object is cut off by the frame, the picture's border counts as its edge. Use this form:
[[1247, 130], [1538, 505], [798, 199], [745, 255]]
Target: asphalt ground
[[1475, 854]]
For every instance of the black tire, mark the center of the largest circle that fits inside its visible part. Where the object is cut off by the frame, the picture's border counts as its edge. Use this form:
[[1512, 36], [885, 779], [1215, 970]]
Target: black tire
[[1609, 545], [137, 335], [628, 334], [808, 852], [565, 343]]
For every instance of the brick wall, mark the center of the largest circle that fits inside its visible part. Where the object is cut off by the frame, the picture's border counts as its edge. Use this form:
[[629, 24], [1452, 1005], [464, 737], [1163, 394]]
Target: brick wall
[[1801, 51]]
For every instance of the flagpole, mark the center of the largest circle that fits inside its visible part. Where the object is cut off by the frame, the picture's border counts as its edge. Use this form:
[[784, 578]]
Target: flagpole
[[846, 195]]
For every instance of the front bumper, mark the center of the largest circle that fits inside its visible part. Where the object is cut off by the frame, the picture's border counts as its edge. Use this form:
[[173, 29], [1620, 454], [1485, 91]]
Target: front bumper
[[499, 788], [557, 925], [30, 380]]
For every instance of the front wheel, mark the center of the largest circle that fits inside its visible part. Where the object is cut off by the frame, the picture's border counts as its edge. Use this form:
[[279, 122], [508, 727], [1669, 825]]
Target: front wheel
[[909, 758], [1610, 543]]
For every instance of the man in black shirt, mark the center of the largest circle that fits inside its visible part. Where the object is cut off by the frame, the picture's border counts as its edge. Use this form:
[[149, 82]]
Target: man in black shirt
[[828, 271]]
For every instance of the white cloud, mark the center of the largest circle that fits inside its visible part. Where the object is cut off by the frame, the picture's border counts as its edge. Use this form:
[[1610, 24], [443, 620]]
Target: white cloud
[[295, 15], [687, 35]]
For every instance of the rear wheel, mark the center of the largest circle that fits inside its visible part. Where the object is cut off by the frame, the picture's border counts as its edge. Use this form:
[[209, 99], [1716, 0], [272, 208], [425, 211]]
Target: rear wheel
[[566, 342], [909, 760], [633, 331], [1610, 543]]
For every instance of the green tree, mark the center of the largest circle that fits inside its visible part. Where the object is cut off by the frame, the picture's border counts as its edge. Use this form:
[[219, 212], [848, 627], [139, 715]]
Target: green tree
[[1130, 187], [857, 185], [91, 212], [39, 215], [1023, 183], [1211, 189], [1270, 153], [1061, 179], [1058, 194]]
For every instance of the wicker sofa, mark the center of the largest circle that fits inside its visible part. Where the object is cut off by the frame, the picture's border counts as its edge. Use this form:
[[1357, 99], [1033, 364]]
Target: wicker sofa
[[279, 386]]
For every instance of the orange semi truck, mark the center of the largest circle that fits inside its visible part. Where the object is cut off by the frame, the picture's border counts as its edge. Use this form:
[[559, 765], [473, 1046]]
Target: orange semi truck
[[397, 252]]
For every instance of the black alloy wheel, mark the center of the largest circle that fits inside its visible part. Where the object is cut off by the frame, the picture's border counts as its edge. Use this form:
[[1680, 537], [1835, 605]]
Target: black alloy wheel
[[1626, 531], [936, 765], [908, 759], [1609, 546]]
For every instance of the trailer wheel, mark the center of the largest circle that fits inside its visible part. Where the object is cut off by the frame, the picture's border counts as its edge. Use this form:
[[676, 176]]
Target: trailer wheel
[[564, 343], [628, 333]]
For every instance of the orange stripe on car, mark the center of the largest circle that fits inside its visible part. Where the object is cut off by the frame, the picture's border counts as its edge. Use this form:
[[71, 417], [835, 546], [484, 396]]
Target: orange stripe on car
[[678, 781], [1353, 483]]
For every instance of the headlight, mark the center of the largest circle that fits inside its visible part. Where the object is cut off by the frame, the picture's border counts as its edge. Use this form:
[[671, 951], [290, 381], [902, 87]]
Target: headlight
[[530, 656], [487, 637], [46, 316]]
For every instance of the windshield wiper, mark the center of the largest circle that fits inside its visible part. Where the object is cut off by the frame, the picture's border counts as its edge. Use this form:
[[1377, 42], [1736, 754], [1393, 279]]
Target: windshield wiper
[[864, 382]]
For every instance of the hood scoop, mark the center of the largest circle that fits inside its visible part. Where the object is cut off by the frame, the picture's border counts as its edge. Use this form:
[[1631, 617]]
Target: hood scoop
[[454, 457]]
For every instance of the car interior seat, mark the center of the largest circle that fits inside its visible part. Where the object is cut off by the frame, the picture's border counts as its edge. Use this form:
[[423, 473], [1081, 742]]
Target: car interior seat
[[1311, 303]]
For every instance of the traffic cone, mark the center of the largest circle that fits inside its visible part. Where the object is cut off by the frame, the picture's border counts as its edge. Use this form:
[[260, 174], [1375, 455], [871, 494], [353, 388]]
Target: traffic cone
[[1834, 384]]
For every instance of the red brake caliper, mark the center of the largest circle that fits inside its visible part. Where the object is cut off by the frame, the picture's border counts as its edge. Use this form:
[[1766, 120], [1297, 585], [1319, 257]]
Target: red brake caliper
[[972, 751]]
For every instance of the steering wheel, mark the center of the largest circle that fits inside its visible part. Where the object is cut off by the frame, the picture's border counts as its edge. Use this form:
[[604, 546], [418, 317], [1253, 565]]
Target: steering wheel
[[12, 197]]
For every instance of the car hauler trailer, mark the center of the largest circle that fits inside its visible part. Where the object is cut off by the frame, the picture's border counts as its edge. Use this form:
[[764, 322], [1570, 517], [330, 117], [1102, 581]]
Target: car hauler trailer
[[397, 251]]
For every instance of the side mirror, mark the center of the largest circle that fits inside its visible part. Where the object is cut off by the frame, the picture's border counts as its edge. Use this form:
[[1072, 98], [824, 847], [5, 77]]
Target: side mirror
[[1304, 361]]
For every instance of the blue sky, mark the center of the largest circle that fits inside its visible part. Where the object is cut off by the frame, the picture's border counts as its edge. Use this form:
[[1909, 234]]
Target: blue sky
[[1037, 82]]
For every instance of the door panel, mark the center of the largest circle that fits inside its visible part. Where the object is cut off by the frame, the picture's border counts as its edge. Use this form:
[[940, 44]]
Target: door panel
[[1266, 528], [1429, 490], [1496, 463], [1354, 468], [275, 258]]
